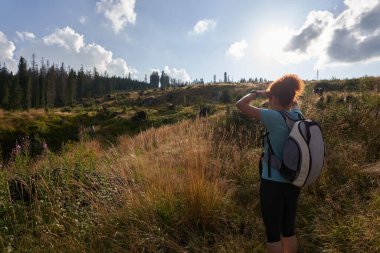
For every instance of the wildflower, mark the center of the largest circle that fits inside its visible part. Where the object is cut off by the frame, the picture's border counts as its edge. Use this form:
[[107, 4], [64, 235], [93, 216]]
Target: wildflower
[[44, 146], [17, 149]]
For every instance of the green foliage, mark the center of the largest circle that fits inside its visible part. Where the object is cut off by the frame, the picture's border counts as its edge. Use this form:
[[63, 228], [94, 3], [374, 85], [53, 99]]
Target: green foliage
[[225, 97], [55, 130], [67, 190], [237, 128], [355, 120]]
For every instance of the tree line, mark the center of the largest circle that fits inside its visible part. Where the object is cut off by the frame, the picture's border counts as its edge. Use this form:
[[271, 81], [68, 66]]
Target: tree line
[[46, 85]]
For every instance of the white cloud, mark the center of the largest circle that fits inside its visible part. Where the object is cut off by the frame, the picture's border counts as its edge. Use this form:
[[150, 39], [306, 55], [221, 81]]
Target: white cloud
[[7, 49], [315, 27], [174, 73], [94, 55], [66, 38], [237, 49], [82, 20], [179, 74], [118, 12], [151, 70], [25, 35], [68, 46], [118, 65], [202, 26], [352, 36]]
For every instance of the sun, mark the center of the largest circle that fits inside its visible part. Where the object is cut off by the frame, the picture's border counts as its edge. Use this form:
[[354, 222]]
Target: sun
[[272, 40]]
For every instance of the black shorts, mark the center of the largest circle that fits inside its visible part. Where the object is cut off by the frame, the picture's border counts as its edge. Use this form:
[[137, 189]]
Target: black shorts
[[278, 208]]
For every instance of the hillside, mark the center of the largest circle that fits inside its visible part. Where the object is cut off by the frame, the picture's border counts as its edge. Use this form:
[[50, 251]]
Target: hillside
[[111, 115], [187, 184]]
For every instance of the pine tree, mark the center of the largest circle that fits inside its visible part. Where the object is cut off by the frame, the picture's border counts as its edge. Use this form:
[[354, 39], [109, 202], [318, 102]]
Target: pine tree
[[33, 73], [97, 84], [80, 83], [51, 80], [88, 84], [42, 83], [17, 95], [61, 86], [5, 95], [25, 83], [164, 80], [71, 87], [5, 83], [2, 84], [154, 79]]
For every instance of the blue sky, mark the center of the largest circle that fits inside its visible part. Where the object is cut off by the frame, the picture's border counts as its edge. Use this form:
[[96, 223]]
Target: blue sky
[[197, 38]]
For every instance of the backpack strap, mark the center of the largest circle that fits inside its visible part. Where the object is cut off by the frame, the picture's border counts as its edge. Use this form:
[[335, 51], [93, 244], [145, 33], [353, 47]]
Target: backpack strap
[[270, 150], [273, 161], [288, 118], [270, 157], [300, 116]]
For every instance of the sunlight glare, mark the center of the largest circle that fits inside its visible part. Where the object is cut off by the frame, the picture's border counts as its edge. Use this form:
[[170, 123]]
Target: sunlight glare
[[271, 45]]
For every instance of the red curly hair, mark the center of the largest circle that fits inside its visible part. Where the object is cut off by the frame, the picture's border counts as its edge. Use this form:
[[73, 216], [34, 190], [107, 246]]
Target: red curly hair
[[286, 88]]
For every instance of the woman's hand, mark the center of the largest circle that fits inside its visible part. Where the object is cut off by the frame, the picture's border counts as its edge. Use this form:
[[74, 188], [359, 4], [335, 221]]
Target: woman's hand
[[260, 93]]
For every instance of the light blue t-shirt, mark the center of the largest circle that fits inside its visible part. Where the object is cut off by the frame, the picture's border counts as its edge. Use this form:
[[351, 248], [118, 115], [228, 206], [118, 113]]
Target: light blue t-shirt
[[278, 134]]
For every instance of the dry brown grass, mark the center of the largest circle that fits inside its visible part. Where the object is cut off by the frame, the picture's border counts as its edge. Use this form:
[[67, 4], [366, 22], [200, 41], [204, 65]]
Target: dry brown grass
[[179, 191], [192, 187]]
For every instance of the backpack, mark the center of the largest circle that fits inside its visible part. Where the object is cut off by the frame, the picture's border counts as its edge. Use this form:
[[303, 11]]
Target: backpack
[[303, 154]]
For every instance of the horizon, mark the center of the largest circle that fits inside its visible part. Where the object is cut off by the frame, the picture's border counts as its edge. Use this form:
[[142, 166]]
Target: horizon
[[339, 39]]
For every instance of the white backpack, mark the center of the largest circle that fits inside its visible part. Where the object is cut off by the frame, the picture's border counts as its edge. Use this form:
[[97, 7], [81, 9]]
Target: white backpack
[[303, 154]]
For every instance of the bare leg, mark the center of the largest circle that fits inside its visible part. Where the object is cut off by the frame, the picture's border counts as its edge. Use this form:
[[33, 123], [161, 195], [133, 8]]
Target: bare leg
[[289, 244], [274, 247]]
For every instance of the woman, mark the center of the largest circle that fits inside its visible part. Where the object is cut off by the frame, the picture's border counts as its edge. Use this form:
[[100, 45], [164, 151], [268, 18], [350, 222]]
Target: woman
[[278, 198]]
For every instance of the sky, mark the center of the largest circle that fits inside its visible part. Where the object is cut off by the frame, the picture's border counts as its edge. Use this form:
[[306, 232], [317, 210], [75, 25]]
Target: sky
[[196, 39]]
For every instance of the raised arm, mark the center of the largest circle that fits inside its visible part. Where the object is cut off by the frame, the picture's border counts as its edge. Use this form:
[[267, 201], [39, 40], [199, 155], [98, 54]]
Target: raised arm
[[245, 108]]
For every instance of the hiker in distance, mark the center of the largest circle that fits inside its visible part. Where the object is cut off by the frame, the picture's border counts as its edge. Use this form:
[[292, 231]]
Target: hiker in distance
[[278, 197]]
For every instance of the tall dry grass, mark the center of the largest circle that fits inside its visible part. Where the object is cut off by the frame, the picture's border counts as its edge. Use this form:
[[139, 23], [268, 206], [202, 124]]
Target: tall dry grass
[[169, 189], [180, 193], [191, 187]]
